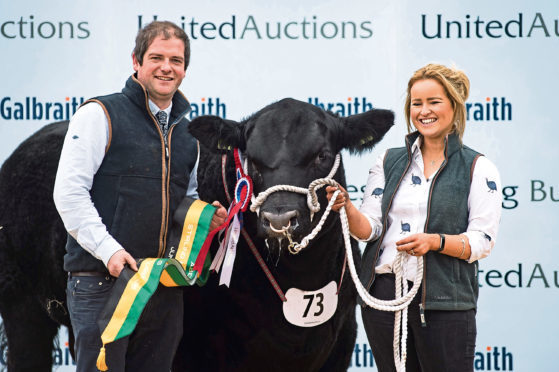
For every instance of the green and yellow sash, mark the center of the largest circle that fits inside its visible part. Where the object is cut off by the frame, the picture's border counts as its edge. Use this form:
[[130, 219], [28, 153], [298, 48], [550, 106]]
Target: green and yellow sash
[[132, 290]]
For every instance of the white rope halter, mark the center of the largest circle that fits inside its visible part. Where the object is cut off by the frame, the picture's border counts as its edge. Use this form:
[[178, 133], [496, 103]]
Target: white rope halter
[[312, 203], [403, 297]]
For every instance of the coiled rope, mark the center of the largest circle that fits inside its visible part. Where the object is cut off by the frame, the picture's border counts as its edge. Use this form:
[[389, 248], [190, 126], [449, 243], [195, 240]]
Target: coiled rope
[[403, 296]]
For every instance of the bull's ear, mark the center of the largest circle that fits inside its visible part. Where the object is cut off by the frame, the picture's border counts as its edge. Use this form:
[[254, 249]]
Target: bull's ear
[[363, 131], [216, 133]]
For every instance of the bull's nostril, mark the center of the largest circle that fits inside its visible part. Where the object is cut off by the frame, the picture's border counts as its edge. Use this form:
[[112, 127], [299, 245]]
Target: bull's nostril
[[293, 222]]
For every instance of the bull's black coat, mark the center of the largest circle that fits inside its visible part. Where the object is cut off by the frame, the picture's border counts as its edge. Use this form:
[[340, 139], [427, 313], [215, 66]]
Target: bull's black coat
[[241, 327], [288, 142], [32, 241]]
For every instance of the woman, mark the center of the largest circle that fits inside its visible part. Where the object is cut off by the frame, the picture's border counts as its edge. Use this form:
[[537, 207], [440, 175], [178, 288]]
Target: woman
[[434, 198]]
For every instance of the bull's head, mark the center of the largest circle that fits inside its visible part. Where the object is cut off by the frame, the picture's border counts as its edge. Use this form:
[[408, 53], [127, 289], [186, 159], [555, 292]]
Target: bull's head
[[291, 142]]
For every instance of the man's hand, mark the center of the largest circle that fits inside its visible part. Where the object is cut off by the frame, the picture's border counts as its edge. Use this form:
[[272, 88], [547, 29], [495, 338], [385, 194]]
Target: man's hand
[[219, 216], [118, 260]]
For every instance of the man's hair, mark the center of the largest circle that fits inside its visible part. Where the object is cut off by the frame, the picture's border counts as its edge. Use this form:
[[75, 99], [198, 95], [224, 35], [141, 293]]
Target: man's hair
[[166, 30]]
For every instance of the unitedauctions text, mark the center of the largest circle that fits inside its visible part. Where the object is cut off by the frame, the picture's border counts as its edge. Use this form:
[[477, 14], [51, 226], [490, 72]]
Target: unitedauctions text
[[29, 28], [308, 28], [538, 25]]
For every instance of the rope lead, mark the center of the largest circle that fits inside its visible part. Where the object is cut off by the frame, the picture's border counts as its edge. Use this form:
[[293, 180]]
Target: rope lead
[[403, 297]]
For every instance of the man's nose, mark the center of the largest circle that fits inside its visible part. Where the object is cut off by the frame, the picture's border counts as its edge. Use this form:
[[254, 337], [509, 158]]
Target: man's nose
[[165, 66]]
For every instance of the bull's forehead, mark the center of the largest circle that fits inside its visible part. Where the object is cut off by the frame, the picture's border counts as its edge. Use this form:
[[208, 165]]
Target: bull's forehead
[[290, 134]]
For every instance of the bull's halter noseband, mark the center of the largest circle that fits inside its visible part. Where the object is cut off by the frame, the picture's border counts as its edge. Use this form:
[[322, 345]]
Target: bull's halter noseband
[[312, 203]]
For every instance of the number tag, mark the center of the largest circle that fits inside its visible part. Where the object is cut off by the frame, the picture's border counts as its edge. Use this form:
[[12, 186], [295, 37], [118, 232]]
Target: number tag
[[310, 308]]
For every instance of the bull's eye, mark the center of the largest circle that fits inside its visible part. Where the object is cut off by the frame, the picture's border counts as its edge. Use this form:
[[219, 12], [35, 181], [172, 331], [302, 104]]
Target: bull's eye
[[321, 157], [255, 174]]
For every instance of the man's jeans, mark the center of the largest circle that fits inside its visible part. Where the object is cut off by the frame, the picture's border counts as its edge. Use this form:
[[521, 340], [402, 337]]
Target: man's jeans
[[152, 345]]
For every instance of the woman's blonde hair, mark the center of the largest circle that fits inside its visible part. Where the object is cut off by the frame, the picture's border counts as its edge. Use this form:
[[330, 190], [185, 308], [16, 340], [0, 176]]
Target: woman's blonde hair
[[457, 88]]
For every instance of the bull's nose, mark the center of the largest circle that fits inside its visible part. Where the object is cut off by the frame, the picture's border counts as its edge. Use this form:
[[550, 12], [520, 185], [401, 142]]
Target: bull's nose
[[277, 222]]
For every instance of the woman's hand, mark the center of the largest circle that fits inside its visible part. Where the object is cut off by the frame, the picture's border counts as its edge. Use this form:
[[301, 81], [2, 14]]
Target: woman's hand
[[358, 223], [341, 201], [418, 244]]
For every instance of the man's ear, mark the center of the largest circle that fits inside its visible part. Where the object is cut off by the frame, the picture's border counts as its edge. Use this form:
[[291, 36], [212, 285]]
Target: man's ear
[[135, 63], [363, 131], [217, 134]]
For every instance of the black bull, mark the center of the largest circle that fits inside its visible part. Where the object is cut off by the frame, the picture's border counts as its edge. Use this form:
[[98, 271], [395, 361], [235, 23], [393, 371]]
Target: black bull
[[236, 328]]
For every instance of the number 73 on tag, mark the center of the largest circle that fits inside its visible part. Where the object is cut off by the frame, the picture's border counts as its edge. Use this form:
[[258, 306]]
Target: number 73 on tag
[[310, 308]]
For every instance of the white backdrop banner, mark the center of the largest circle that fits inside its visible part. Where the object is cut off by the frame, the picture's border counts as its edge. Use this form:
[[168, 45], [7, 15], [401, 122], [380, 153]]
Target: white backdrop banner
[[346, 56]]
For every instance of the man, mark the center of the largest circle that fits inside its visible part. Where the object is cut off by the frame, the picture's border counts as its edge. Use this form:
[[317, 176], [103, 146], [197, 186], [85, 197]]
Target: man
[[127, 162]]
